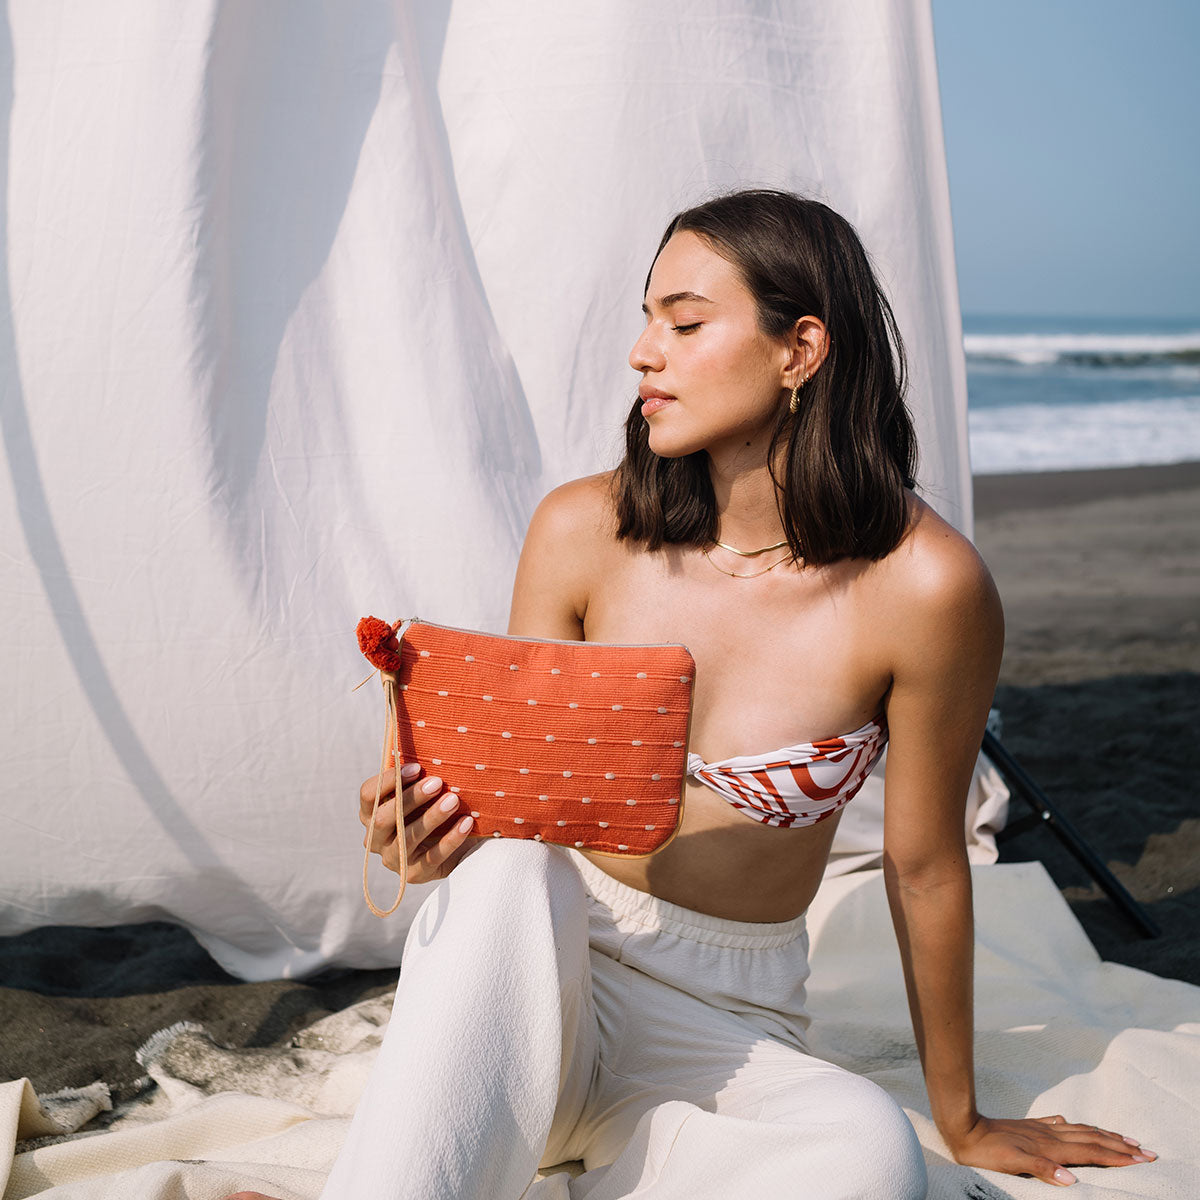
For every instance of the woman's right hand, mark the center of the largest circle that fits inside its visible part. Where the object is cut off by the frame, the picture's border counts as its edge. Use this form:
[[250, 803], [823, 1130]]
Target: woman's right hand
[[435, 831]]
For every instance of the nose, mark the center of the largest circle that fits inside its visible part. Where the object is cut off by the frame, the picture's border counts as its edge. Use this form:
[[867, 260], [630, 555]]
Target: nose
[[647, 354]]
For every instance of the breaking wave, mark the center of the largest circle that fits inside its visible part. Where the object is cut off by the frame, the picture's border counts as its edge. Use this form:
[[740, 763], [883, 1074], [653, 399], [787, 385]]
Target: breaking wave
[[1085, 349]]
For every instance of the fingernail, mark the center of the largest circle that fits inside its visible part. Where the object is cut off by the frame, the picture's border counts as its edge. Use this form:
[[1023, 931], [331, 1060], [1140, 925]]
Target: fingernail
[[464, 826], [410, 770], [1148, 1153], [1133, 1141], [430, 786], [1063, 1176], [449, 804], [1139, 1158]]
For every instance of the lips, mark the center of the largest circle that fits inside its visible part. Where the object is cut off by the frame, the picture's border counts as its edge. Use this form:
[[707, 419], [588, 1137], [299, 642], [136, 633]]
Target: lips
[[653, 400]]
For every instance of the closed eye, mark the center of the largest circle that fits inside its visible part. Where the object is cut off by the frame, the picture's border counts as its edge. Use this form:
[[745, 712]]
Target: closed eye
[[687, 328]]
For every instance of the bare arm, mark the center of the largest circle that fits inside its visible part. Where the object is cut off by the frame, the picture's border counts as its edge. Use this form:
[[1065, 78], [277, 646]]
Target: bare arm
[[948, 657], [945, 675], [563, 546]]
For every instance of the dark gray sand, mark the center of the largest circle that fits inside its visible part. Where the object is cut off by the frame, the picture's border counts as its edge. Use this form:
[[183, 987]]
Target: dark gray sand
[[1100, 696], [77, 1003], [1098, 570], [1100, 688]]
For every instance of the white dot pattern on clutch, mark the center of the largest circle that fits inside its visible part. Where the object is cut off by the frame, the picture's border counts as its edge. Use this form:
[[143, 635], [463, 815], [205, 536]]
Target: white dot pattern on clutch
[[475, 814], [496, 834], [424, 653], [543, 797], [477, 736], [420, 724], [537, 837], [437, 762], [577, 845], [560, 824]]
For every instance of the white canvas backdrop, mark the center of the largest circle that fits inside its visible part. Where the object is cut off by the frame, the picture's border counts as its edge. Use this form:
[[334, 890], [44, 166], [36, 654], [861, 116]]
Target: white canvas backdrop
[[302, 308]]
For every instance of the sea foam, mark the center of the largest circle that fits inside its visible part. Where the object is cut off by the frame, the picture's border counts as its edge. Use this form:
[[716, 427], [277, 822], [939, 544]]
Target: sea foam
[[1086, 349], [1064, 437]]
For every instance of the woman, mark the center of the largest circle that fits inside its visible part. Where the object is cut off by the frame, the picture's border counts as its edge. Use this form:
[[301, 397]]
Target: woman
[[763, 516]]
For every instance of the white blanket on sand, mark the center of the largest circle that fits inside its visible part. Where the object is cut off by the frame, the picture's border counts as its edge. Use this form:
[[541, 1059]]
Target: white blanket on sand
[[1058, 1031]]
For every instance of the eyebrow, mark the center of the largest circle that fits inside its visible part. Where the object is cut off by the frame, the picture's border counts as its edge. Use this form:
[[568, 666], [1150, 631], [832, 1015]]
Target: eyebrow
[[679, 298]]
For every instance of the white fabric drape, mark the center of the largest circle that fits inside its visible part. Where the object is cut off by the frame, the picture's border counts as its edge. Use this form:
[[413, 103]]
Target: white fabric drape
[[302, 308]]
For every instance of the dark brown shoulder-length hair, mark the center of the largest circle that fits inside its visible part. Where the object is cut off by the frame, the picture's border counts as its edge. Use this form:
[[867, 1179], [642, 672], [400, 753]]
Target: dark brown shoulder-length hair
[[850, 451]]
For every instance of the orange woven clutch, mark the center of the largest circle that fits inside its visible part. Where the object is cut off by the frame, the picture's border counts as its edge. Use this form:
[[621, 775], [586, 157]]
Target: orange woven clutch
[[575, 743]]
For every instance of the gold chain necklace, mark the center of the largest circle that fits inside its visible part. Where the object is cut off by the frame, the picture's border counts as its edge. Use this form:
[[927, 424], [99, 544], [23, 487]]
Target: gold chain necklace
[[747, 574], [749, 553]]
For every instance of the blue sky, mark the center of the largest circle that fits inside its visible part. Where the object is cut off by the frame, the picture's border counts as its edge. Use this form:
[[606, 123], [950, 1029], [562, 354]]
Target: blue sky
[[1073, 141]]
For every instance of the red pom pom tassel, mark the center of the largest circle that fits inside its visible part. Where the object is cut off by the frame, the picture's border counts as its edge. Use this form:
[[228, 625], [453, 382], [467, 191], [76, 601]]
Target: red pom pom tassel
[[374, 637]]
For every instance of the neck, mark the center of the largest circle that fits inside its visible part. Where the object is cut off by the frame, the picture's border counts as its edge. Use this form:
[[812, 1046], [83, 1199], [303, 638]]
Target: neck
[[746, 501]]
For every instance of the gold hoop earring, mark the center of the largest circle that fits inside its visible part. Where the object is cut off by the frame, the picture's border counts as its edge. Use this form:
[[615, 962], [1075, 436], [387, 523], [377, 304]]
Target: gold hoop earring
[[794, 402]]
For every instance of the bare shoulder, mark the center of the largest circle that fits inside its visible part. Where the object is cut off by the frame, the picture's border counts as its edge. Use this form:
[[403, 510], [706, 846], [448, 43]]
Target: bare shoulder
[[582, 508], [935, 566], [571, 538], [938, 588]]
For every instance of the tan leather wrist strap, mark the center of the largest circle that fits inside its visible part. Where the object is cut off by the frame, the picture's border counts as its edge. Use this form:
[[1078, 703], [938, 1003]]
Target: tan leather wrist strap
[[391, 748]]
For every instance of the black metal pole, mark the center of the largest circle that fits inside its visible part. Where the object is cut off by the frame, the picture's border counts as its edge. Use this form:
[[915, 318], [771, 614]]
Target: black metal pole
[[1023, 784]]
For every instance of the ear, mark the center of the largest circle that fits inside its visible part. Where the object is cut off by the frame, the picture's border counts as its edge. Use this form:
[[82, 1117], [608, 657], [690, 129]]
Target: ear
[[808, 344]]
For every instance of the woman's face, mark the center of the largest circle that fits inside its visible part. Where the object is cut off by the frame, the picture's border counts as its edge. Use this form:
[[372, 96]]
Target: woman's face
[[711, 379]]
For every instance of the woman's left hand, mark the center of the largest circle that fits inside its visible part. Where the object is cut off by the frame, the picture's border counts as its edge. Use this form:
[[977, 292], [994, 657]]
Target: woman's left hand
[[1044, 1147]]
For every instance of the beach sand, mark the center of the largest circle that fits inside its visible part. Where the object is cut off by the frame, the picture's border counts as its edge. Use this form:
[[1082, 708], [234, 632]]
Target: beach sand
[[1100, 687], [1099, 695]]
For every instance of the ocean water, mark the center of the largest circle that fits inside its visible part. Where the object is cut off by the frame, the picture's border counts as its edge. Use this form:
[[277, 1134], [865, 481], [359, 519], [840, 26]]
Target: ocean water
[[1053, 394]]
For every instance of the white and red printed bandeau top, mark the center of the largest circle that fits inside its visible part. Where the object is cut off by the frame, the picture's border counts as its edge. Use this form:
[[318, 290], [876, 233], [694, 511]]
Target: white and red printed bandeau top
[[798, 785]]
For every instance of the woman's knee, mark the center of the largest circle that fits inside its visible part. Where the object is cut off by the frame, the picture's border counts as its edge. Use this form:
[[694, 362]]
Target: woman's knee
[[507, 887], [883, 1158], [856, 1146], [520, 868]]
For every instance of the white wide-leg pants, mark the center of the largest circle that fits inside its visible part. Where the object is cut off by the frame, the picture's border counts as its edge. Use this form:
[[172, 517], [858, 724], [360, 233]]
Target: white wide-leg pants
[[546, 1012]]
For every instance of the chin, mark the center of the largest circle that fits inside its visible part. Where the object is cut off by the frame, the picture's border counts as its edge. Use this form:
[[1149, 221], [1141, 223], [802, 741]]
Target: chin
[[666, 446]]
